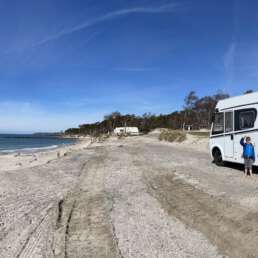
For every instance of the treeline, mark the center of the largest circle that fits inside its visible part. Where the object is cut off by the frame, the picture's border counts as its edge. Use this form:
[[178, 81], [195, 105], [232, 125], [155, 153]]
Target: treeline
[[196, 113]]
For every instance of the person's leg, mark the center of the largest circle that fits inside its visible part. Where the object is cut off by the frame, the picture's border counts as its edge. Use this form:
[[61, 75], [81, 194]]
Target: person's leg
[[251, 168], [246, 170]]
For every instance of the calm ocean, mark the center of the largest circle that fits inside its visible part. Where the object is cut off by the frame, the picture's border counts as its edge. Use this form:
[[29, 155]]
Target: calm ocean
[[30, 143]]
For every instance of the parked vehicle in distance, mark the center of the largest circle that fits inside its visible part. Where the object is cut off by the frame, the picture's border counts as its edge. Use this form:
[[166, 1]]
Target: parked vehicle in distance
[[126, 130], [234, 118]]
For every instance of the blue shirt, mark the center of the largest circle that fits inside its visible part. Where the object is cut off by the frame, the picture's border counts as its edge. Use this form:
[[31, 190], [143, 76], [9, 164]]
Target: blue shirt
[[248, 150]]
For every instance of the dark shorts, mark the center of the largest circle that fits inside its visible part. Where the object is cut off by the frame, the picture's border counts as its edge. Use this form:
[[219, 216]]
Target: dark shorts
[[248, 163]]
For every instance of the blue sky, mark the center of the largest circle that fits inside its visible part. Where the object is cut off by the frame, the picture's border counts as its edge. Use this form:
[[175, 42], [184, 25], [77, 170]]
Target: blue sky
[[66, 62]]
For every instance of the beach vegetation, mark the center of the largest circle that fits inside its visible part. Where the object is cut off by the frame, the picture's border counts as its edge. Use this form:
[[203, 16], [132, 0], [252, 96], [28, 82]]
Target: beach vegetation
[[172, 136], [196, 113]]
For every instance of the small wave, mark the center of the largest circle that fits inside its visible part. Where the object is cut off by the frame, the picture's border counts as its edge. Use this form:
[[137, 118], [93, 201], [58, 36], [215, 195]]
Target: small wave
[[29, 149]]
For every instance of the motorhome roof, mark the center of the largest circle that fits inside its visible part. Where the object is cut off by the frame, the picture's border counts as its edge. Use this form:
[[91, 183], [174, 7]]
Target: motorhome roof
[[238, 101]]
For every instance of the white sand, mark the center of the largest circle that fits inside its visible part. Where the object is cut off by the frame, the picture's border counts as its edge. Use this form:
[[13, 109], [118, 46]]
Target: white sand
[[197, 143], [132, 197]]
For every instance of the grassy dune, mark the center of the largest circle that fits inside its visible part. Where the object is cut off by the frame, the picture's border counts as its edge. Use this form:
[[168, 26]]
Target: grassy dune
[[172, 136]]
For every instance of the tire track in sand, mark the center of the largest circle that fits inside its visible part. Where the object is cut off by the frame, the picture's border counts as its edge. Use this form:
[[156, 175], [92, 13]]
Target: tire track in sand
[[231, 228], [91, 233]]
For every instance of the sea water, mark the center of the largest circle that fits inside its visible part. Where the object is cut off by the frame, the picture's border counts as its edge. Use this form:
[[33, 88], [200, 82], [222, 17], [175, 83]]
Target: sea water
[[30, 143]]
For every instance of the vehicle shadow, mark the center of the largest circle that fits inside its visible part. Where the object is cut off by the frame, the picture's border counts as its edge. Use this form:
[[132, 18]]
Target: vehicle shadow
[[239, 167]]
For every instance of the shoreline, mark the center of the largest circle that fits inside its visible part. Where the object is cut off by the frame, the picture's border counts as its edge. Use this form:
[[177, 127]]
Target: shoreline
[[32, 148], [20, 159], [39, 149], [29, 150]]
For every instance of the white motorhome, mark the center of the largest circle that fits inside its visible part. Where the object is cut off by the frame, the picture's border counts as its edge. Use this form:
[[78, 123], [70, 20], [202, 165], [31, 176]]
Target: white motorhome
[[126, 130], [234, 118]]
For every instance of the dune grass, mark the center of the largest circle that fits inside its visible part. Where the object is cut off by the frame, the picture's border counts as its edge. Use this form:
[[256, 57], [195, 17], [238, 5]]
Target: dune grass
[[172, 136]]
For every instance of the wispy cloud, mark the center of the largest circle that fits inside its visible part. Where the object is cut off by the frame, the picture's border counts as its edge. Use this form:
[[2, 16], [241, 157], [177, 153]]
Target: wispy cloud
[[240, 64], [229, 57], [109, 16], [130, 99], [229, 60]]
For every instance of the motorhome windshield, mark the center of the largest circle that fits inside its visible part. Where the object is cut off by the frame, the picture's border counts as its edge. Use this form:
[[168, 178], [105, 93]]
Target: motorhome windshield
[[218, 125]]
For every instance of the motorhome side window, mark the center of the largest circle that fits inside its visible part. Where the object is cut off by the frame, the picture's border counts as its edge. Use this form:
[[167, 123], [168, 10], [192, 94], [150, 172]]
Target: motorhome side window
[[229, 122], [245, 119], [218, 125]]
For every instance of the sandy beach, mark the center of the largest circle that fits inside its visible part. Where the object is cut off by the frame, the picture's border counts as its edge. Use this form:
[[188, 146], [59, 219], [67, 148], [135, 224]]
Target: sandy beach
[[128, 129], [130, 197]]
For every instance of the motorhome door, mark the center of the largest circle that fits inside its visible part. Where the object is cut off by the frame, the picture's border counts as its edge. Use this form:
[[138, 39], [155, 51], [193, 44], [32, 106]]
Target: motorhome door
[[229, 136]]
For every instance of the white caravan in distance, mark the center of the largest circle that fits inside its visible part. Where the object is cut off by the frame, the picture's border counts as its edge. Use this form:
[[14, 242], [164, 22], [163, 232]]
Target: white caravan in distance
[[126, 130], [234, 118]]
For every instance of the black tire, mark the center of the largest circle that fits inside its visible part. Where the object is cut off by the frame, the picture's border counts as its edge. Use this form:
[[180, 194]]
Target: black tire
[[217, 156]]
